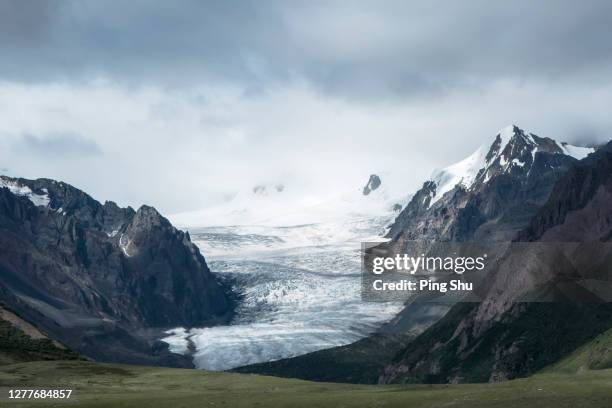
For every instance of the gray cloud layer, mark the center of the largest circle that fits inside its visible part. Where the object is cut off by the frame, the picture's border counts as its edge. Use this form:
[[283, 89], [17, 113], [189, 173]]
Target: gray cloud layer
[[56, 145], [180, 103], [357, 49]]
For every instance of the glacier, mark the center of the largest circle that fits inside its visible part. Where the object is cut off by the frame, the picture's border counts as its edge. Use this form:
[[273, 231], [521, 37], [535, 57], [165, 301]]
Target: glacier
[[298, 270]]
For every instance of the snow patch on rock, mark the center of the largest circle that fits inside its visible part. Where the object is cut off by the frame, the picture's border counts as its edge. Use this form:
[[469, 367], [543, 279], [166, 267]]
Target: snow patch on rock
[[41, 200], [576, 152]]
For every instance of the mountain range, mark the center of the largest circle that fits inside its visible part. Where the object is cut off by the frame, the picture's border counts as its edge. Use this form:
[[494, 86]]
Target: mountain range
[[103, 280], [100, 281]]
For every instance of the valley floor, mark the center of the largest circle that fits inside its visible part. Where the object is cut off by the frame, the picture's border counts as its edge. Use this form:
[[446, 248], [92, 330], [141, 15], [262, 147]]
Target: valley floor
[[111, 385]]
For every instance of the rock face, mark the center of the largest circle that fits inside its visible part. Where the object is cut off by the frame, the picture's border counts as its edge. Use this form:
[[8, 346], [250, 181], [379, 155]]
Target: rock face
[[101, 279], [502, 338], [373, 183], [489, 196]]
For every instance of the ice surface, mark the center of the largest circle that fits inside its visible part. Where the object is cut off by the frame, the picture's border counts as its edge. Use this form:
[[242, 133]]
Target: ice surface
[[300, 282], [177, 340]]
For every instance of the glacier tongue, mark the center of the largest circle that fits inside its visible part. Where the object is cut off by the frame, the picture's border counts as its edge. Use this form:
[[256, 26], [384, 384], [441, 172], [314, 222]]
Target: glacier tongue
[[300, 292], [296, 263]]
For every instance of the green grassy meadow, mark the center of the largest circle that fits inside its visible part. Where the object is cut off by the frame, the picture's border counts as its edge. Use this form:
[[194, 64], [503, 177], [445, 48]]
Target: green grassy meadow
[[113, 385]]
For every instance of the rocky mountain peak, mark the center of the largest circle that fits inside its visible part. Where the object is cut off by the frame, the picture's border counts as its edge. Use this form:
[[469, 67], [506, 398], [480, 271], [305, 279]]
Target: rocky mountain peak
[[513, 151], [147, 217], [267, 189], [514, 174], [373, 183]]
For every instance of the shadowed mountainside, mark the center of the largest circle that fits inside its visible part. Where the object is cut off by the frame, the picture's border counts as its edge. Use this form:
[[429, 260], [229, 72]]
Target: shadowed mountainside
[[502, 337], [101, 279]]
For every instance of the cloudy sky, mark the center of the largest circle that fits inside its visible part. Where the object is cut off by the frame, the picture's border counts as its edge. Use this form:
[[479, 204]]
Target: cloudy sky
[[181, 104]]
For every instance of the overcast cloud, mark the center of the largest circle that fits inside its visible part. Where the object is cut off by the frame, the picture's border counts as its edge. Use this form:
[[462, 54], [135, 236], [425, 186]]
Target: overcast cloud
[[180, 104]]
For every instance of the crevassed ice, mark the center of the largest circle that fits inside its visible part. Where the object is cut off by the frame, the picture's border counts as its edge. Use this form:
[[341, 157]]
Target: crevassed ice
[[300, 292]]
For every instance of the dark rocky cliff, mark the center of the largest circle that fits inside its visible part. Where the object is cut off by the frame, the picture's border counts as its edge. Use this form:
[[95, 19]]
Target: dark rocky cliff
[[498, 190], [101, 279], [504, 337]]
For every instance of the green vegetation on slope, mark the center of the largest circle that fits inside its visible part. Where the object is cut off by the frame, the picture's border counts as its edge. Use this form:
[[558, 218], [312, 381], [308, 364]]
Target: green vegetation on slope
[[17, 345], [595, 355], [105, 385], [532, 336]]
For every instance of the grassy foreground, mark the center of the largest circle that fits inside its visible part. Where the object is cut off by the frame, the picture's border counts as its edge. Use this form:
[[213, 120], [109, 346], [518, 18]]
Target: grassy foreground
[[111, 385]]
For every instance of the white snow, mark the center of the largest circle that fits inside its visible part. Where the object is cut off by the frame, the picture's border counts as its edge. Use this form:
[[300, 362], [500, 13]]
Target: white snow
[[291, 207], [576, 152], [505, 135], [177, 340], [124, 244], [25, 191], [463, 172]]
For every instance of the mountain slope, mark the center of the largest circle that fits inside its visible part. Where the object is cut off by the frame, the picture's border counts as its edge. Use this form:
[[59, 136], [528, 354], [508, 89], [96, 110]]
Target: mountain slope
[[503, 338], [20, 341], [97, 277], [594, 355], [357, 363]]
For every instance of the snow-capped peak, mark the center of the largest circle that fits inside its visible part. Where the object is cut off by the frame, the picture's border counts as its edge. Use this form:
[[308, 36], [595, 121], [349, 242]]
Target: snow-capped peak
[[512, 148]]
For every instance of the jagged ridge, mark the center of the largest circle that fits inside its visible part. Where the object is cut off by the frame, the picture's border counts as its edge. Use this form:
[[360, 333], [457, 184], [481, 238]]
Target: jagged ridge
[[490, 194], [99, 277]]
